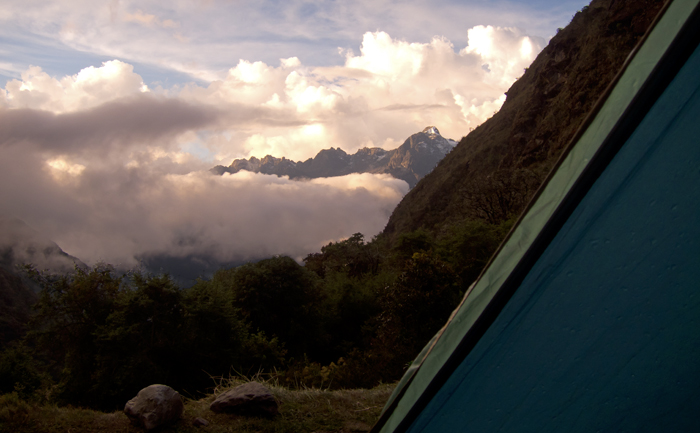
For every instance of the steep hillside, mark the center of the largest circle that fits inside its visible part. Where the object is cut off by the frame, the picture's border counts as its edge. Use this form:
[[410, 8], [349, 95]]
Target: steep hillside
[[496, 168], [415, 158]]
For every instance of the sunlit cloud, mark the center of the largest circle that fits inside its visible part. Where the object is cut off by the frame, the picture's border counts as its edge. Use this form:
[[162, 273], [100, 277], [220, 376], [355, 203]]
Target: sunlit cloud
[[61, 166], [88, 88]]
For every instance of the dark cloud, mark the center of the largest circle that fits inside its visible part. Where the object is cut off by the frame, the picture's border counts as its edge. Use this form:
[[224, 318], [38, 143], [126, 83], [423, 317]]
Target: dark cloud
[[134, 119]]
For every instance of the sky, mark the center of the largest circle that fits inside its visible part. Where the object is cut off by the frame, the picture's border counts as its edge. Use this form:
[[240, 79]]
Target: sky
[[112, 112]]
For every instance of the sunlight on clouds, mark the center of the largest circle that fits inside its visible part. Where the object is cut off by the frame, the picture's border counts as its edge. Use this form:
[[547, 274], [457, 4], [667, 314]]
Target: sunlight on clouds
[[475, 111], [249, 73], [505, 51], [291, 62], [63, 166], [382, 185], [64, 171], [481, 41], [526, 48], [86, 89], [313, 130], [383, 56], [260, 145], [308, 97]]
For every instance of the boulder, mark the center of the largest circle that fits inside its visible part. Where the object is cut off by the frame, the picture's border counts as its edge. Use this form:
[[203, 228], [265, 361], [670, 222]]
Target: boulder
[[154, 406], [250, 399]]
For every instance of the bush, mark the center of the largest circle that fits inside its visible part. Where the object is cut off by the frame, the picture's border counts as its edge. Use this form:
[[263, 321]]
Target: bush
[[19, 371], [14, 411]]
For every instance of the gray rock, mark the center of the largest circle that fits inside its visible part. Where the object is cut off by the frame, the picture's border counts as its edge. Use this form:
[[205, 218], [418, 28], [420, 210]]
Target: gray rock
[[250, 399], [154, 406]]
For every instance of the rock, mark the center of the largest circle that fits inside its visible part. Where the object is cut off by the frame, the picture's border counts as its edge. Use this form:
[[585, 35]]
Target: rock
[[252, 399], [154, 406], [200, 422]]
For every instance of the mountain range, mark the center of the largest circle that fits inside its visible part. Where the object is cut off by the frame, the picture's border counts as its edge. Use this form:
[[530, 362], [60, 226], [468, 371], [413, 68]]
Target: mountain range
[[411, 161]]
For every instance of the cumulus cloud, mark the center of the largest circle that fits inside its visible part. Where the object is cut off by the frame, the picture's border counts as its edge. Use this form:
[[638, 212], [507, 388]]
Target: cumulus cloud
[[90, 87], [111, 169]]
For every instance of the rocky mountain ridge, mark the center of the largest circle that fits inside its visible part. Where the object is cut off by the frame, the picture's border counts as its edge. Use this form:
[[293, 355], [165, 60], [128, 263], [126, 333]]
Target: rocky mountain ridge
[[415, 158]]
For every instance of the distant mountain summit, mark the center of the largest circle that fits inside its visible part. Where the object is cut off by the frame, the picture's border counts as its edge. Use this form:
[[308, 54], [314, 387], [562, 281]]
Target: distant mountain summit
[[415, 158]]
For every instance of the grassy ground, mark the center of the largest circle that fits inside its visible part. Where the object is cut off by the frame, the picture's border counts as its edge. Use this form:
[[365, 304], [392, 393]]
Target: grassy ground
[[310, 410]]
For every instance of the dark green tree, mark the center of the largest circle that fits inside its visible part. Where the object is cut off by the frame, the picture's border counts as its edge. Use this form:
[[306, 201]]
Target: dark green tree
[[501, 195], [414, 308], [469, 246], [280, 298], [141, 342], [407, 244], [351, 256], [70, 311], [219, 340]]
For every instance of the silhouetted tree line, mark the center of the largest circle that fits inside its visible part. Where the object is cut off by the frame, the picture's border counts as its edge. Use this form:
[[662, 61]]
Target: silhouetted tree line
[[353, 315]]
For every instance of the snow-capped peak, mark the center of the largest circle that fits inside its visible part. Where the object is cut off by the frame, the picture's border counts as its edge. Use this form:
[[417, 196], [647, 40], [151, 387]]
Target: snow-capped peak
[[431, 130]]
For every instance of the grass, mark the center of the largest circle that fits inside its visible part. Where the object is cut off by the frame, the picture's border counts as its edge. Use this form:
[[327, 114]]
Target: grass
[[307, 410]]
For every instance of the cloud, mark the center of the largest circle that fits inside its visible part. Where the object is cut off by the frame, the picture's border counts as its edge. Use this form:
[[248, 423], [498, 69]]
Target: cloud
[[295, 110], [365, 101], [116, 125], [88, 88], [119, 213], [111, 169], [149, 20], [205, 38]]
